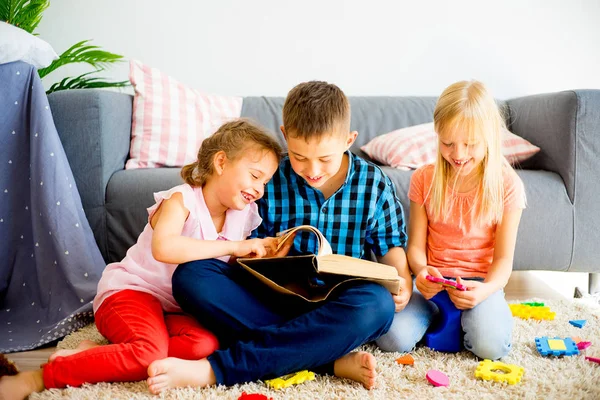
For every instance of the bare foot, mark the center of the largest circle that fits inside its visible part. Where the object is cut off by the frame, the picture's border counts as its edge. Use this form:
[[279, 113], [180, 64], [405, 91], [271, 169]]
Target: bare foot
[[174, 372], [358, 366], [84, 345], [18, 387]]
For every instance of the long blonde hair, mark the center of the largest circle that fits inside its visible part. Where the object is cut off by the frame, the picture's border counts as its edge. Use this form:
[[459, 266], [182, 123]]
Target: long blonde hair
[[467, 106]]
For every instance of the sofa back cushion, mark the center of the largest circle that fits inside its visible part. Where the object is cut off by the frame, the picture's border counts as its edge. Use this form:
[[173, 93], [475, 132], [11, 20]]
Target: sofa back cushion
[[371, 116]]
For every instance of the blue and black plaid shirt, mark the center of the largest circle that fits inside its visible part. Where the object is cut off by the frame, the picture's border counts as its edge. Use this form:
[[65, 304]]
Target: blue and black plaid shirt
[[364, 215]]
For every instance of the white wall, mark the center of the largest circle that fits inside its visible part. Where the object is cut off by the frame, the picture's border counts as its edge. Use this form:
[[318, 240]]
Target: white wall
[[373, 47]]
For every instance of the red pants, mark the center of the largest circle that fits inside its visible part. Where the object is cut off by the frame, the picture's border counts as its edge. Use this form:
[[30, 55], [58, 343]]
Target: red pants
[[141, 333]]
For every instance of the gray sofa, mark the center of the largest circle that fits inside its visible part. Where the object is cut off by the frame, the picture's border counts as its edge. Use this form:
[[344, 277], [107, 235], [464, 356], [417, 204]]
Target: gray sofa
[[559, 230]]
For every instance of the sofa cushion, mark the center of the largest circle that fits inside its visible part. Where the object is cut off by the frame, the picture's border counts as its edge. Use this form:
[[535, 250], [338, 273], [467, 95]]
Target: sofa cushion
[[415, 146], [170, 120], [545, 191], [371, 116], [128, 194]]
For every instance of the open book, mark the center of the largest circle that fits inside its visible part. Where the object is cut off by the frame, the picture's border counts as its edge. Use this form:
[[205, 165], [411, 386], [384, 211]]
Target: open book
[[314, 276]]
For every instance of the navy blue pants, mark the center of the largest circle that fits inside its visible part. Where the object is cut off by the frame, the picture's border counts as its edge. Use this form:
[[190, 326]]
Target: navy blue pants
[[265, 334]]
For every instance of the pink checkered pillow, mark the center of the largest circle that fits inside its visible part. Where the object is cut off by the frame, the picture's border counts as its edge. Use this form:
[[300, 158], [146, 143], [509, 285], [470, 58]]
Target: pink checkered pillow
[[170, 120], [415, 146]]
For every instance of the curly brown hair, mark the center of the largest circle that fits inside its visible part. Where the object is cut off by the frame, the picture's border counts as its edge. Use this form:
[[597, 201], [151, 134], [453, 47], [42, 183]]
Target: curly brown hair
[[234, 138]]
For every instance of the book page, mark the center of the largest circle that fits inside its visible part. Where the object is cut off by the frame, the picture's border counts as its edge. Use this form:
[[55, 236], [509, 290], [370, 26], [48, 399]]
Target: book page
[[323, 246], [340, 264]]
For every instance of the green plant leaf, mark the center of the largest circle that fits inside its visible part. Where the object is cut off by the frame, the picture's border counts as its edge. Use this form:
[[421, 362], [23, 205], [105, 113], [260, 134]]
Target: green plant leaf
[[82, 52], [85, 81], [25, 14]]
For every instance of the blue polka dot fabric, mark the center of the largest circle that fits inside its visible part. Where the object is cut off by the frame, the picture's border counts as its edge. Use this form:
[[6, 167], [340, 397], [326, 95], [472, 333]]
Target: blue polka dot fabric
[[49, 261]]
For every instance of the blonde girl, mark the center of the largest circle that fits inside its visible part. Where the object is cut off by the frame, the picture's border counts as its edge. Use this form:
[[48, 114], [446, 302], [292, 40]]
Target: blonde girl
[[464, 215], [209, 216]]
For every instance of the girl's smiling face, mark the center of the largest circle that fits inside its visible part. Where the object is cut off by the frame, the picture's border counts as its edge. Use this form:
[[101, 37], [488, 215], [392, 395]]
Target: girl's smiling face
[[242, 181], [462, 151]]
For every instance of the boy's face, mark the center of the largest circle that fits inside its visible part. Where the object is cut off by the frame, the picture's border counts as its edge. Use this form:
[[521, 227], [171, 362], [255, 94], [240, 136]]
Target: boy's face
[[319, 160]]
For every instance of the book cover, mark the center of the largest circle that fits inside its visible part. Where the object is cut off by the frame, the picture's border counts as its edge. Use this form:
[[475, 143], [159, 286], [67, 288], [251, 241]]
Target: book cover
[[314, 277]]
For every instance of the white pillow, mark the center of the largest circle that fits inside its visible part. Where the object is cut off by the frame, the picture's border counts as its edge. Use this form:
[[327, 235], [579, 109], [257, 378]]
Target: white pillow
[[19, 45]]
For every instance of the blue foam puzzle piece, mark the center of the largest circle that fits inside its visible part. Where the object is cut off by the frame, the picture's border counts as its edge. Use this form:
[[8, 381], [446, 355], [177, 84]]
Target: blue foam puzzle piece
[[578, 322], [446, 334], [541, 343]]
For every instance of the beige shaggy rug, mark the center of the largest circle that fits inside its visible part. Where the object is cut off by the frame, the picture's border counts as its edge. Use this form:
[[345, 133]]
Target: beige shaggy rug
[[544, 377]]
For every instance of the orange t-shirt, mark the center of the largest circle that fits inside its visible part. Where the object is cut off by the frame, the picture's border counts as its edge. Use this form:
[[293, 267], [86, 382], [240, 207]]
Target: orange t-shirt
[[467, 250]]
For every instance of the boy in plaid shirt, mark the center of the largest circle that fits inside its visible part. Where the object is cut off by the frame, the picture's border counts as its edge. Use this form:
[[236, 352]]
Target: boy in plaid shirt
[[266, 334]]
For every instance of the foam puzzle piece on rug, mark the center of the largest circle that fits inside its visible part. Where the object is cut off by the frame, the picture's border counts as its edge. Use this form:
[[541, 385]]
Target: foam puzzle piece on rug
[[406, 359], [556, 346], [290, 379], [579, 323], [510, 374], [583, 345], [437, 378], [527, 312], [254, 396]]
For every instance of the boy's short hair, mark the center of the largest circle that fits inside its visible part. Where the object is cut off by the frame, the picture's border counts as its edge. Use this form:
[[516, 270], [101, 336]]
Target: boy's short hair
[[315, 108]]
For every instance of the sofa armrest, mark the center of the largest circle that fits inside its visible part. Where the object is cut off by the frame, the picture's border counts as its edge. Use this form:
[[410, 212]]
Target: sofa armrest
[[95, 130], [566, 126], [549, 122]]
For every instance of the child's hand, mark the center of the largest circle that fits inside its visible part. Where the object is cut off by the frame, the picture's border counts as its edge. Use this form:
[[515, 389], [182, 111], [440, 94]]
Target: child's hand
[[401, 300], [466, 299], [285, 248], [427, 288], [257, 248]]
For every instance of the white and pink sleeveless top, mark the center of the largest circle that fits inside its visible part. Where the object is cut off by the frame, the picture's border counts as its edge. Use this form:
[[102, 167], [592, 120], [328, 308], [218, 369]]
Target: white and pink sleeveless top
[[140, 271]]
